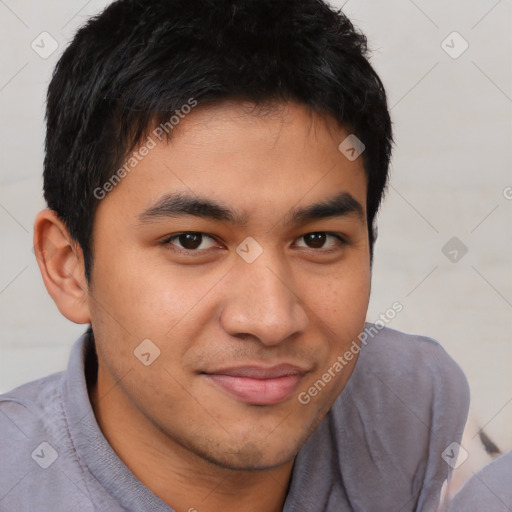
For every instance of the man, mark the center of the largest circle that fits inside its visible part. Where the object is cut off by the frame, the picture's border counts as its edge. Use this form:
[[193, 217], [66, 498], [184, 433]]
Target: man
[[213, 172]]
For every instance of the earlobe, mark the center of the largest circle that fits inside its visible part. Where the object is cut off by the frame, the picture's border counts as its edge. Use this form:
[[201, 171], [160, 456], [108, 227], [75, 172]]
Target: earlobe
[[61, 264]]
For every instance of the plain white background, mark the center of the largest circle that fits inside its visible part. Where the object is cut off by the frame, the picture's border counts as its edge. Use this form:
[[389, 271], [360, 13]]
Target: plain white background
[[450, 177]]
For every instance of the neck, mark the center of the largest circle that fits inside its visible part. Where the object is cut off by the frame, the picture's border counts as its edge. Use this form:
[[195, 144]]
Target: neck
[[182, 479]]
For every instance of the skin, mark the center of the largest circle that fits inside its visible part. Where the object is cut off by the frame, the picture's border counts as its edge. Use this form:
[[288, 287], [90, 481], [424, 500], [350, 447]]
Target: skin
[[191, 443]]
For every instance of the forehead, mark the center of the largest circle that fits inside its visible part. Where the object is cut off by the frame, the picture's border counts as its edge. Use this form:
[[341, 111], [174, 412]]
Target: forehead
[[256, 161]]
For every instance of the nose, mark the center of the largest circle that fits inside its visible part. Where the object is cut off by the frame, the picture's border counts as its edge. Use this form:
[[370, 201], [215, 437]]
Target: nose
[[263, 302]]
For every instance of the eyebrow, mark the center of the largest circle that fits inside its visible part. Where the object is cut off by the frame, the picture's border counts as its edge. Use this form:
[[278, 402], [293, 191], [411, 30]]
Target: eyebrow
[[182, 204]]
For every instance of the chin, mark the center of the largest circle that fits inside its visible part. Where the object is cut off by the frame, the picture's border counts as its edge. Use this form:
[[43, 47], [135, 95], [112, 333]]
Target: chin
[[251, 460], [250, 456]]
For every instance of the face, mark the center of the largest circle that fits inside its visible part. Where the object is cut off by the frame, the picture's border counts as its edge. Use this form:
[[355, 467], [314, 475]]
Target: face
[[211, 250]]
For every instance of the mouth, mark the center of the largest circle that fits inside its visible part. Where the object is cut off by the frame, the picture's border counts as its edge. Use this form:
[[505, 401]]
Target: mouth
[[256, 385]]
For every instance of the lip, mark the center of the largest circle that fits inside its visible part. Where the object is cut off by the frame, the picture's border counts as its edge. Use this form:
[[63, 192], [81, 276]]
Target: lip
[[257, 385]]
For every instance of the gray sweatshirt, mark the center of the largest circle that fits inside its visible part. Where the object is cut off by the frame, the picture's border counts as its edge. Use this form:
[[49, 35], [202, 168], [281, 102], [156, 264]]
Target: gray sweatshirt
[[386, 445]]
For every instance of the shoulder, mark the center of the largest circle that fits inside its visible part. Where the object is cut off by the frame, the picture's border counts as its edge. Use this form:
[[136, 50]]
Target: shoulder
[[404, 405], [26, 409], [409, 379], [384, 340], [416, 367], [41, 467], [31, 422]]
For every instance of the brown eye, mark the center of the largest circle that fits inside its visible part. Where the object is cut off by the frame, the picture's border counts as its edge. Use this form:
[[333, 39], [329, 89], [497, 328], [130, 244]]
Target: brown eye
[[322, 240], [191, 241], [315, 240]]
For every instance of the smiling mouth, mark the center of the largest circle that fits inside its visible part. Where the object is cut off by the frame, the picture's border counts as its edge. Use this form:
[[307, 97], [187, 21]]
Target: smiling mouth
[[257, 386]]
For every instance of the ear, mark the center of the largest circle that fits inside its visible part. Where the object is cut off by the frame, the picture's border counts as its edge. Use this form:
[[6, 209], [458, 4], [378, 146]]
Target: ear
[[61, 263]]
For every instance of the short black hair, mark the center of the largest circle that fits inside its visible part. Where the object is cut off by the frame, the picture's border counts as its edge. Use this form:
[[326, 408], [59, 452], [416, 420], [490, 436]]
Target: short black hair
[[138, 61]]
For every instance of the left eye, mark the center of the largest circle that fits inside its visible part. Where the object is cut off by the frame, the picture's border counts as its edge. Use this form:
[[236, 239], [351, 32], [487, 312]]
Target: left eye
[[318, 239]]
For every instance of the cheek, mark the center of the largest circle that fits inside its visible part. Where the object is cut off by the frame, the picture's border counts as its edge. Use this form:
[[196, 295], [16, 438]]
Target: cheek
[[342, 300], [341, 310], [147, 297]]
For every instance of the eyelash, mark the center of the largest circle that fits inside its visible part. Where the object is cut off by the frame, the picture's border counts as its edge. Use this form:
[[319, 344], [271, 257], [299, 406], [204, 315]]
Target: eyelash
[[197, 252]]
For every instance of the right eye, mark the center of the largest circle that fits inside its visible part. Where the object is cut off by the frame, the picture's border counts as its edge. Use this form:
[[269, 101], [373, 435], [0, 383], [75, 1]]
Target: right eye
[[190, 241]]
